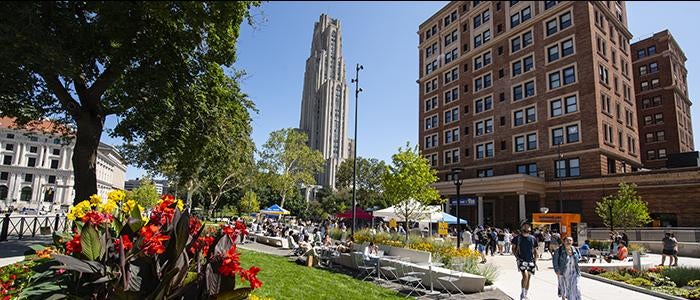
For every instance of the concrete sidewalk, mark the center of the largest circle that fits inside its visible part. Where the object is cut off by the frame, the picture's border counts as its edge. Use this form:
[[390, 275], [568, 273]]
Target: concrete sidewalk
[[544, 284], [12, 250]]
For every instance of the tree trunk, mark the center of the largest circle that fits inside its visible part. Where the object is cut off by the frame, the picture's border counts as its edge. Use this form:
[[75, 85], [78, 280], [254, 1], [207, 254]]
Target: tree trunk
[[282, 202], [87, 140]]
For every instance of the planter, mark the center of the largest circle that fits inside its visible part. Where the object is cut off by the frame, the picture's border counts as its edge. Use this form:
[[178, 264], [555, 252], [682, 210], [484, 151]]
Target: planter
[[631, 287]]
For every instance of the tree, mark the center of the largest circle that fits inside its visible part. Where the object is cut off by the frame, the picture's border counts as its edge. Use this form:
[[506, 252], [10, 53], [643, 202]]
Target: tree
[[625, 209], [249, 203], [369, 180], [407, 183], [79, 62], [146, 194], [224, 172], [288, 162]]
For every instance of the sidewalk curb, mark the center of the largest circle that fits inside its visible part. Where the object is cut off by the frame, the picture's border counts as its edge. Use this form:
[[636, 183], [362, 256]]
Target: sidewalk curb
[[631, 287]]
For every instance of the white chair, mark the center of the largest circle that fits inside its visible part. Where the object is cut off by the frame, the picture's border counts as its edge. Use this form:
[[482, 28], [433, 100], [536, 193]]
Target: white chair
[[412, 278], [449, 281], [363, 268]]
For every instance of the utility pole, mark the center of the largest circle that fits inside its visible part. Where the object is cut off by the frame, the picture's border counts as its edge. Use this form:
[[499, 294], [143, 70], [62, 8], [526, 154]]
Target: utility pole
[[356, 81]]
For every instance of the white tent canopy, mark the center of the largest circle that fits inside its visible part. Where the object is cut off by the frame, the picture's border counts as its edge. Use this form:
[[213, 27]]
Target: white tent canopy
[[418, 211]]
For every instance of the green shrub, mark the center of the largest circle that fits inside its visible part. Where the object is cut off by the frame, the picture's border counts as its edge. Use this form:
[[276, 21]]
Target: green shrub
[[615, 276], [639, 282], [694, 283], [637, 247], [682, 275], [489, 271], [674, 291], [694, 294], [336, 233], [658, 279], [599, 244]]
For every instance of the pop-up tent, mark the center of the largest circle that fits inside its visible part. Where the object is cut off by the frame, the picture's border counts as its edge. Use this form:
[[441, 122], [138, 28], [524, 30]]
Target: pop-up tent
[[274, 210], [359, 214], [450, 219], [416, 211]]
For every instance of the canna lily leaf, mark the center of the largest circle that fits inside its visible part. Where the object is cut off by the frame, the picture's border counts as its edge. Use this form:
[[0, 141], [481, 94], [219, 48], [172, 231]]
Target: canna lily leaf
[[90, 242]]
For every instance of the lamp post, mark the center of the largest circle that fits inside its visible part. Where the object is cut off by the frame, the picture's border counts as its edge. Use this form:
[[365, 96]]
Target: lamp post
[[356, 81], [457, 180], [560, 156]]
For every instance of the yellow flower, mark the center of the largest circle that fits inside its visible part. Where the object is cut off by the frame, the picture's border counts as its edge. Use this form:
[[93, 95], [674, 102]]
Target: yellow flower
[[95, 200], [180, 205], [108, 207], [78, 211], [129, 206], [116, 195]]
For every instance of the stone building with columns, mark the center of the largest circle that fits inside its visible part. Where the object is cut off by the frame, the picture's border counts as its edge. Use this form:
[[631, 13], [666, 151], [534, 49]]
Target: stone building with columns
[[36, 169]]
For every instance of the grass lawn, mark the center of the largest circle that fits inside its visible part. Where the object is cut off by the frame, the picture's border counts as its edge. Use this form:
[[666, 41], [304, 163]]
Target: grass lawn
[[283, 279]]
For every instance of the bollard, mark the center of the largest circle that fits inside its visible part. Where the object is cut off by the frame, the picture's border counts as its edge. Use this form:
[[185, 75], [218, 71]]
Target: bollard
[[637, 260], [36, 219], [55, 224], [21, 228], [5, 226]]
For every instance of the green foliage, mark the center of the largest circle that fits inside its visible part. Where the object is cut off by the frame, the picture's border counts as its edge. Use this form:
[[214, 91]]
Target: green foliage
[[287, 162], [674, 291], [157, 66], [694, 283], [624, 210], [637, 247], [599, 245], [615, 276], [488, 271], [639, 282], [407, 183], [249, 203], [146, 194], [369, 181], [681, 275]]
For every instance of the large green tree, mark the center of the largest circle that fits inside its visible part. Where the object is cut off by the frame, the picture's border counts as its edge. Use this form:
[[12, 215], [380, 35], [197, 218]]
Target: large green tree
[[145, 194], [144, 62], [369, 180], [287, 162], [408, 183], [623, 210]]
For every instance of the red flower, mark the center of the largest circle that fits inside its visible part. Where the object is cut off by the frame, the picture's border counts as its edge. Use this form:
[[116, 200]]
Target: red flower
[[165, 210], [153, 239], [96, 218], [231, 263], [195, 225], [233, 232], [125, 241], [73, 246], [250, 275]]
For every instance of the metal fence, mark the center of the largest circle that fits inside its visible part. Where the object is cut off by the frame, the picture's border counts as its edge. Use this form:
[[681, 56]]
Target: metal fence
[[683, 234], [21, 226]]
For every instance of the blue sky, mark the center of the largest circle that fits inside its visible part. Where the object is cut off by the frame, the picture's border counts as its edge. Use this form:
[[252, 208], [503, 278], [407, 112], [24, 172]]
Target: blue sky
[[382, 36]]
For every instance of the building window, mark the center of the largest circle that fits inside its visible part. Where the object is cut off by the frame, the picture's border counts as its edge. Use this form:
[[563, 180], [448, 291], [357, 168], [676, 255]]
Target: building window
[[451, 136], [4, 176], [7, 160], [562, 77], [651, 50], [451, 38], [608, 134], [483, 104], [26, 194], [660, 136], [559, 23], [525, 142], [521, 42], [33, 149], [567, 168], [653, 67], [484, 150], [572, 135], [524, 116], [451, 156], [484, 127], [482, 60], [452, 55], [482, 38], [28, 177], [52, 179], [431, 122], [9, 147], [452, 95], [522, 66], [3, 192], [56, 151], [451, 75], [654, 83], [662, 153], [33, 139], [452, 115], [482, 18], [10, 136], [482, 82], [524, 90], [31, 162], [54, 164], [430, 104], [520, 17], [528, 169], [484, 172], [431, 141]]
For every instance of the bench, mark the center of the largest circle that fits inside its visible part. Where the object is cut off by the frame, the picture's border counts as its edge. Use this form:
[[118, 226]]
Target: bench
[[272, 241]]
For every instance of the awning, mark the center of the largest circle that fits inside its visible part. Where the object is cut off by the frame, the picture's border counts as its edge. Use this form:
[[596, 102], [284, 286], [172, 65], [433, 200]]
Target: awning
[[274, 210], [359, 214]]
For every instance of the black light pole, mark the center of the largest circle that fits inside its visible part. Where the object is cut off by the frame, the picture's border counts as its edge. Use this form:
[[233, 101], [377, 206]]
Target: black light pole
[[457, 180], [356, 81], [561, 202]]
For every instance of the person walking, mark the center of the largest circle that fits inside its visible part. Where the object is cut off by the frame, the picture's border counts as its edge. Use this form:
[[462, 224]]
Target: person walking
[[481, 242], [525, 251], [675, 249], [668, 249], [507, 237], [501, 241], [493, 238], [467, 238], [565, 262]]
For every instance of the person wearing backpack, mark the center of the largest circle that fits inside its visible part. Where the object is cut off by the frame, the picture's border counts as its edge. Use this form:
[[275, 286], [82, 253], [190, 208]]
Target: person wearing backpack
[[565, 262], [481, 241], [525, 251]]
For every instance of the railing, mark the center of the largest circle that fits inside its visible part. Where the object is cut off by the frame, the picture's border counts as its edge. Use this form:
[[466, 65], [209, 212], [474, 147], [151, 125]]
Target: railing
[[683, 234], [21, 226]]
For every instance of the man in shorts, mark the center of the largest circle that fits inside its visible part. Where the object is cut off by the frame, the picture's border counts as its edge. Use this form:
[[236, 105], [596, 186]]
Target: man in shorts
[[669, 249], [525, 251]]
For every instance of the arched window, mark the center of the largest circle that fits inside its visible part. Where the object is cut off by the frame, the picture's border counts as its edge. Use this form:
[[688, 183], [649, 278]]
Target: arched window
[[3, 192], [26, 194]]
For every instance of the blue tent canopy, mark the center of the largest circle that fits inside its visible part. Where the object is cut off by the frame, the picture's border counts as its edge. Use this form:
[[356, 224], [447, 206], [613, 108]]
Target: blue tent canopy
[[275, 210], [450, 219]]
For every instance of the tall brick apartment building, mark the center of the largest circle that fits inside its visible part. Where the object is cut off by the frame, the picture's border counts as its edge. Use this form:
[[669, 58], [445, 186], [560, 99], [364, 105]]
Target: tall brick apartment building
[[528, 96], [663, 105]]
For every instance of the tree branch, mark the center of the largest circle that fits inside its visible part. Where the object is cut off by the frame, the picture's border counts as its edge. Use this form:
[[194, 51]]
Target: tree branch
[[104, 81], [72, 106]]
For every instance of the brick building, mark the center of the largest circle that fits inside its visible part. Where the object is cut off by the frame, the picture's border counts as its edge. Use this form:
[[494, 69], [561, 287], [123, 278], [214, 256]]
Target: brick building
[[525, 96], [663, 106]]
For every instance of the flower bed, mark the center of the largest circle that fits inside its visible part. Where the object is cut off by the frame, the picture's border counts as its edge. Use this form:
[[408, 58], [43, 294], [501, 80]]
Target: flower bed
[[676, 281], [445, 252], [117, 252]]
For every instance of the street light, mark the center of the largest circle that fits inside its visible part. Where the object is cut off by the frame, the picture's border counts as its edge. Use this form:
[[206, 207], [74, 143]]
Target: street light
[[457, 180], [356, 81], [561, 202]]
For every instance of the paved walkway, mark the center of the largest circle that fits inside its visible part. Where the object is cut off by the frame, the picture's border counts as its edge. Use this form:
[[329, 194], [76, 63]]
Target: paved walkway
[[544, 284], [12, 250]]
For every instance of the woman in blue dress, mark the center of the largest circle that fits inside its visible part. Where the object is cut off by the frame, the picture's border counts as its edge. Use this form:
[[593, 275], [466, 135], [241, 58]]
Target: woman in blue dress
[[565, 261]]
